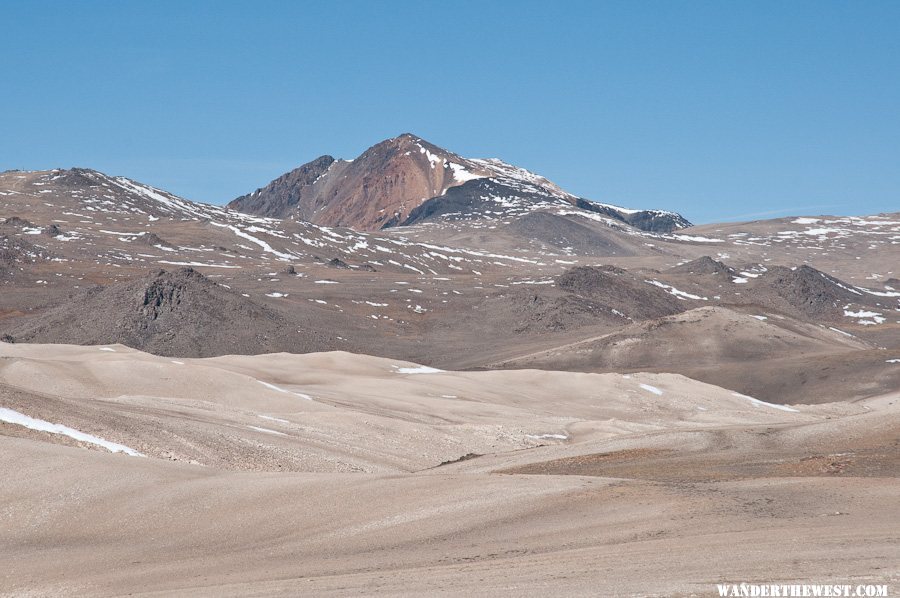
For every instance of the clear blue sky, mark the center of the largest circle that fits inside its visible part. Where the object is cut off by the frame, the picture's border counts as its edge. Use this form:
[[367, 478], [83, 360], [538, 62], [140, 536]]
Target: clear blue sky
[[719, 110]]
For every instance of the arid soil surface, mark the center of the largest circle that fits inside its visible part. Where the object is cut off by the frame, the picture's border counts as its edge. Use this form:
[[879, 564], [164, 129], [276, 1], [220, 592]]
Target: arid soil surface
[[415, 373], [341, 474]]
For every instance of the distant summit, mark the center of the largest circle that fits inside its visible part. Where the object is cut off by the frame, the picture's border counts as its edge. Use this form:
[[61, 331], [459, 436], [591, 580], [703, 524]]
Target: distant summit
[[406, 180], [376, 190]]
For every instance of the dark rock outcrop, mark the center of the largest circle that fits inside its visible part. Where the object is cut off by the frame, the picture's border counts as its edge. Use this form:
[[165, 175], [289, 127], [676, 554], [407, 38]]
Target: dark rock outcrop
[[622, 291], [176, 313], [809, 291], [703, 265]]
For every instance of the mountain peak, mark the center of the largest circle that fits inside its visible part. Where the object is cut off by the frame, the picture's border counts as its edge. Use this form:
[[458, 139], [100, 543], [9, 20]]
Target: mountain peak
[[406, 179], [379, 188]]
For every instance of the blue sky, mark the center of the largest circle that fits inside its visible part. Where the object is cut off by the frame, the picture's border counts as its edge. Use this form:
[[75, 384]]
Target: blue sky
[[719, 110]]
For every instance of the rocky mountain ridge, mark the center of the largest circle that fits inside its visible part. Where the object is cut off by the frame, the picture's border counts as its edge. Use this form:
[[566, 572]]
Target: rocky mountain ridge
[[406, 180]]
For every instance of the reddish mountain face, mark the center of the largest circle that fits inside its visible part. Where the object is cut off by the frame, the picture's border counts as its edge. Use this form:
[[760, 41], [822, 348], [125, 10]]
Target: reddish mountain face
[[376, 190], [406, 180]]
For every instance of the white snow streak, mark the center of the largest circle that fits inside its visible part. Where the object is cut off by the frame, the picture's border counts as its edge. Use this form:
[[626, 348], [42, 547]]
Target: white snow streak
[[422, 369], [758, 403], [20, 419], [297, 394]]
